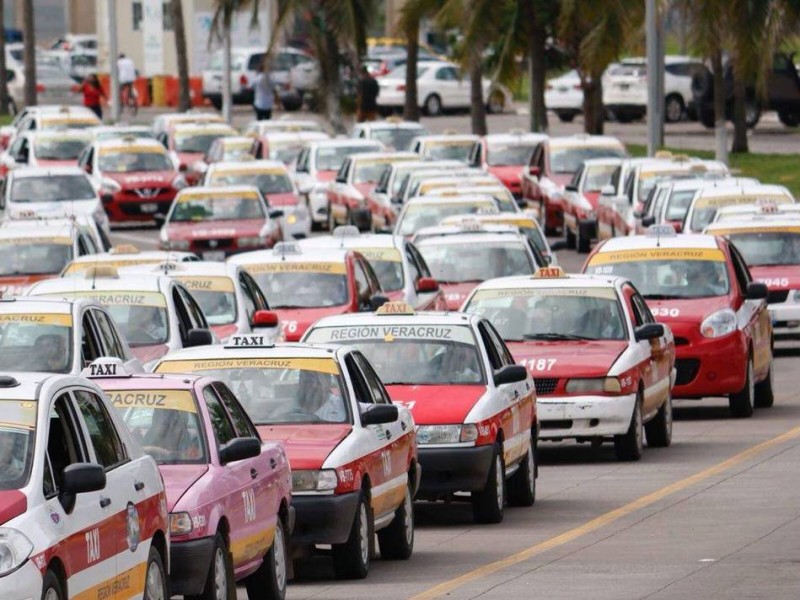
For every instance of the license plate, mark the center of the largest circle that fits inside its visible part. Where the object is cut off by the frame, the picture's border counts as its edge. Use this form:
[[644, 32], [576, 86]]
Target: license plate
[[215, 255], [624, 86], [149, 207], [563, 90]]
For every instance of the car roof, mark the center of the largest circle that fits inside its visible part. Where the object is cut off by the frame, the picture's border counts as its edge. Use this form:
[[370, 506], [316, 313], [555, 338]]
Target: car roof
[[568, 280], [448, 137], [201, 127], [232, 166], [295, 136], [443, 235], [521, 138], [338, 142], [32, 305], [293, 350], [743, 190], [636, 242], [23, 172], [388, 156], [754, 222], [444, 200], [327, 255], [21, 229], [129, 283], [583, 139], [353, 241]]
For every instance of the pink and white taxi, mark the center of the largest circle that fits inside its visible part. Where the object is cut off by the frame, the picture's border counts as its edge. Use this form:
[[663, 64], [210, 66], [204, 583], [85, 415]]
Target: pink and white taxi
[[55, 148], [602, 365], [352, 452], [82, 507], [228, 493], [475, 409]]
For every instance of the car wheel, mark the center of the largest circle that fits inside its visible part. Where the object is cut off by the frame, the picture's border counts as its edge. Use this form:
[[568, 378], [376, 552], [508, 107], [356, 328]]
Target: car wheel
[[741, 403], [790, 119], [397, 540], [706, 117], [569, 238], [765, 397], [673, 108], [155, 580], [752, 112], [565, 116], [629, 446], [433, 105], [582, 243], [331, 218], [522, 485], [351, 559], [216, 103], [219, 583], [269, 581], [51, 587], [659, 429], [488, 504], [497, 102], [623, 117]]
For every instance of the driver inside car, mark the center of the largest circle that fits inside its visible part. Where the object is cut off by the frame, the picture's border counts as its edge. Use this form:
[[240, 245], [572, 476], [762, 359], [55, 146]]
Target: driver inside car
[[319, 395]]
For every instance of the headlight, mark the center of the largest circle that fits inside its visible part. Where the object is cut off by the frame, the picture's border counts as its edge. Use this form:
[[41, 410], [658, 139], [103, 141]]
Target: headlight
[[291, 219], [446, 434], [15, 549], [719, 323], [179, 182], [314, 481], [110, 186], [250, 242], [609, 385], [180, 523], [796, 296]]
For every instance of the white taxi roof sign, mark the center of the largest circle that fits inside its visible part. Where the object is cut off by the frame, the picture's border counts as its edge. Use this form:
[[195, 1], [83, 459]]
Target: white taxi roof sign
[[124, 249], [549, 273], [105, 367], [470, 223], [286, 248], [397, 307], [249, 341], [345, 231], [101, 271], [662, 230], [766, 207]]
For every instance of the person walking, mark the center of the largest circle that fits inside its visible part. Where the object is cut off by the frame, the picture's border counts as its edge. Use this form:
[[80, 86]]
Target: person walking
[[126, 70], [93, 95], [263, 95], [367, 97]]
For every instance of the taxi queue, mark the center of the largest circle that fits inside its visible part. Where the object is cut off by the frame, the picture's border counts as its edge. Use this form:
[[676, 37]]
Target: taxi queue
[[249, 395]]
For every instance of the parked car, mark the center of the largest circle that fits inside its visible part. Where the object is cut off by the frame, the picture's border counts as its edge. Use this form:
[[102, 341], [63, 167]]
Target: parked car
[[564, 96]]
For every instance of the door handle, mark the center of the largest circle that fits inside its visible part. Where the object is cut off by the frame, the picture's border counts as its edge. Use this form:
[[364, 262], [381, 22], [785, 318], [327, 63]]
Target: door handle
[[104, 501], [273, 463], [403, 425], [388, 434], [138, 485], [253, 473]]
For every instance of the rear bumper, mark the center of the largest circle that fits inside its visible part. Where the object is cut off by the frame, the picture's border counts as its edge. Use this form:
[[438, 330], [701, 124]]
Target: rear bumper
[[584, 416], [449, 470], [785, 319], [189, 564], [324, 519]]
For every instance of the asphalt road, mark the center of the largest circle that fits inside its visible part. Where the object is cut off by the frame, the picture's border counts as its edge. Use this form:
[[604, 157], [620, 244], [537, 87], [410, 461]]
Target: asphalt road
[[716, 515]]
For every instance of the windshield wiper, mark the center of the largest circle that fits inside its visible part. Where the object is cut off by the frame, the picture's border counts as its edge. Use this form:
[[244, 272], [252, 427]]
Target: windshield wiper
[[661, 297], [555, 336]]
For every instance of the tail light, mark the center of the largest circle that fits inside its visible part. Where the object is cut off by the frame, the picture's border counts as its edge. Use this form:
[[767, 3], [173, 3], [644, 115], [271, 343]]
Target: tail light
[[39, 88], [401, 88]]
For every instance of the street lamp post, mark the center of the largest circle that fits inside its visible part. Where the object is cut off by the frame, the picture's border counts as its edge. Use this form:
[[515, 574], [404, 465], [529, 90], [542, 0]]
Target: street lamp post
[[655, 79], [113, 52]]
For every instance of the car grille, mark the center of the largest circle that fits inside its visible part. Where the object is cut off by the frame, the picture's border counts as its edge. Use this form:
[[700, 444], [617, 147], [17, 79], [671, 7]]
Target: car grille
[[135, 208], [545, 385], [220, 244], [777, 296], [681, 341], [146, 193], [686, 369]]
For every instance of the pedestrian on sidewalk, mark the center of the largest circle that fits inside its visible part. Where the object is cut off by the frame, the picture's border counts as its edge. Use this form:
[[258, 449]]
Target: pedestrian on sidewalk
[[263, 94], [93, 95], [367, 97]]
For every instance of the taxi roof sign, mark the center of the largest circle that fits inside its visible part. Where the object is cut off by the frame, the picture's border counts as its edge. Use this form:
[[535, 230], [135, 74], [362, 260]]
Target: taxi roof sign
[[105, 367], [662, 230], [286, 248], [766, 207], [249, 341], [345, 231], [470, 223], [124, 249], [102, 272], [398, 307], [549, 273]]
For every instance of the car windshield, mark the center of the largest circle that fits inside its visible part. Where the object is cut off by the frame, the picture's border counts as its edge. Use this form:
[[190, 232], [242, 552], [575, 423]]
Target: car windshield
[[130, 162], [142, 317], [197, 142], [53, 188], [222, 208], [266, 182], [674, 277], [417, 216], [285, 153], [509, 155], [216, 297], [277, 390], [474, 261], [766, 248], [551, 313], [36, 342], [34, 257], [112, 134], [598, 176], [235, 153], [678, 205], [399, 138], [330, 158], [705, 208], [569, 160], [444, 151], [388, 266], [17, 436], [370, 172], [59, 148], [166, 423], [301, 288]]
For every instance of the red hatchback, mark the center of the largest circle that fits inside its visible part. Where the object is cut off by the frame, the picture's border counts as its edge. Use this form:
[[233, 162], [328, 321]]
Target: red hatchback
[[506, 155]]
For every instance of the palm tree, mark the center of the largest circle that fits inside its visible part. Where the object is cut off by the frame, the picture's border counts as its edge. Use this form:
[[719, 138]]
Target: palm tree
[[411, 14], [184, 99], [29, 52], [4, 104]]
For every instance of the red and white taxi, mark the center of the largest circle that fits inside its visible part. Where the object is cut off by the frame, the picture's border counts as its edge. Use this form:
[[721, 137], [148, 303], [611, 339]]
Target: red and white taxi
[[187, 143], [303, 285], [699, 285], [216, 222], [82, 507], [124, 255], [352, 452], [285, 146], [552, 166], [395, 134], [259, 128], [231, 149], [505, 200], [164, 122], [135, 176], [448, 146], [602, 366], [228, 493], [746, 211], [506, 155], [707, 201], [49, 148], [474, 408], [429, 211], [30, 119]]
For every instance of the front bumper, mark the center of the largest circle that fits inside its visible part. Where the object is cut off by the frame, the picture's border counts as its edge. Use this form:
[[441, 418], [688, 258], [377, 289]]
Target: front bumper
[[449, 470], [189, 564], [710, 366], [295, 223], [124, 206], [23, 584], [785, 319], [584, 416], [324, 519]]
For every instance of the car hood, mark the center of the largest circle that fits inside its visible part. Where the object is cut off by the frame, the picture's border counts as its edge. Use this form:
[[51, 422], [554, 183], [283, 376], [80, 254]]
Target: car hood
[[568, 358], [510, 175], [296, 321], [145, 354], [778, 277], [456, 293], [199, 230], [178, 479], [437, 404], [325, 176], [687, 311], [189, 158], [288, 199], [143, 178], [307, 446], [13, 503]]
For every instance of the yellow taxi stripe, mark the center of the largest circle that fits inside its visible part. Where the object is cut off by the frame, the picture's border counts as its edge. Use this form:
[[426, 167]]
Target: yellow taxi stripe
[[321, 365], [113, 297], [298, 267], [37, 319], [252, 546], [715, 201], [192, 196], [762, 229], [624, 256], [244, 172], [606, 519], [29, 241], [181, 400], [385, 254], [207, 284], [129, 149], [125, 585]]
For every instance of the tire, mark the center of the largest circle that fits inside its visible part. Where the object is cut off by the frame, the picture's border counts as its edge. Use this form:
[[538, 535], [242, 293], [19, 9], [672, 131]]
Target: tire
[[623, 117], [155, 579], [741, 403], [765, 396], [269, 581], [752, 112], [51, 587], [219, 583], [789, 119], [496, 104], [488, 505], [433, 105], [397, 540], [522, 485], [566, 117], [674, 108], [706, 117], [582, 243], [659, 430], [331, 219], [569, 238], [351, 559], [629, 446]]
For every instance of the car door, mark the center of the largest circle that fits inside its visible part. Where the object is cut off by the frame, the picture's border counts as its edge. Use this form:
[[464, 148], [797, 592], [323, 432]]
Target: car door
[[655, 357], [754, 314]]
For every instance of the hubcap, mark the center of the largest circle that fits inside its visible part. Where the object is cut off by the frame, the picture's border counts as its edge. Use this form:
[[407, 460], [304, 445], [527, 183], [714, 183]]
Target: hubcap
[[433, 105], [280, 558], [408, 520], [220, 576], [363, 531], [673, 110], [155, 583], [498, 476], [51, 594]]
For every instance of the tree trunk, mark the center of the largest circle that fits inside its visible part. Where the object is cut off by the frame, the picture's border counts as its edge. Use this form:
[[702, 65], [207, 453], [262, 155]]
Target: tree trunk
[[411, 107], [537, 71], [332, 83], [477, 109], [184, 98], [3, 80], [227, 95], [593, 110], [720, 133], [739, 117], [29, 52]]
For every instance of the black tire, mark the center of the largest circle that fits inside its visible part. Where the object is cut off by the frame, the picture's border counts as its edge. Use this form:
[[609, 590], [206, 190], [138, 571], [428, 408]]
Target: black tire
[[216, 103], [790, 119], [269, 581], [741, 403], [623, 117], [522, 485], [674, 108], [565, 116], [397, 540], [488, 505], [629, 446], [765, 396], [752, 112], [582, 242], [706, 117], [433, 105], [155, 579], [220, 584], [569, 238], [51, 585], [659, 429], [351, 559]]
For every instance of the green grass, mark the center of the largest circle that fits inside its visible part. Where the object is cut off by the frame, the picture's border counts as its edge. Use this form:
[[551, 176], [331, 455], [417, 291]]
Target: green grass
[[768, 168], [5, 119]]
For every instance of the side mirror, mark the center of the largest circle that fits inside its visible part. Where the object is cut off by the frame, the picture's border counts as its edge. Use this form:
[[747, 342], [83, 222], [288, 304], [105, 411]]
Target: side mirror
[[264, 318], [275, 213], [378, 414], [239, 449], [198, 337], [377, 301], [535, 172], [649, 331], [570, 188], [648, 220], [79, 478], [510, 374], [757, 290], [106, 198], [427, 285], [159, 218], [607, 190]]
